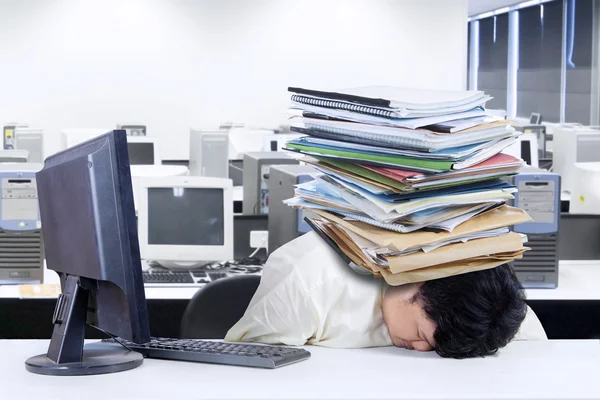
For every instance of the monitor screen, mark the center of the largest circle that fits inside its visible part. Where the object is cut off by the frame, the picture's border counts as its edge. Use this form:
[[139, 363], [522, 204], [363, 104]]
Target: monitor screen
[[186, 217], [526, 151], [535, 119], [141, 153]]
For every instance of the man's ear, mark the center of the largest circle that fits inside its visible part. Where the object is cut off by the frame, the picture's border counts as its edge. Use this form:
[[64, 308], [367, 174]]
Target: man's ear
[[417, 296]]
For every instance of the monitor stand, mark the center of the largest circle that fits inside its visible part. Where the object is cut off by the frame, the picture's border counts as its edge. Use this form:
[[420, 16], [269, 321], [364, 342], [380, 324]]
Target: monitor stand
[[67, 354]]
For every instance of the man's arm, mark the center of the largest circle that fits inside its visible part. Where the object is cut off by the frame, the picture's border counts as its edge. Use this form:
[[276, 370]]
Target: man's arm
[[283, 314]]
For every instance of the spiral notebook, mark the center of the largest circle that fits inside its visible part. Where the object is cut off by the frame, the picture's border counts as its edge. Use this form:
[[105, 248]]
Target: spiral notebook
[[400, 138], [398, 98], [342, 105]]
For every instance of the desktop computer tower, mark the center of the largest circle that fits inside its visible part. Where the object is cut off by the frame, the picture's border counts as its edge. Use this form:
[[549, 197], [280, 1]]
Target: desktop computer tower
[[21, 243], [257, 166], [31, 140], [286, 223], [209, 153], [539, 196]]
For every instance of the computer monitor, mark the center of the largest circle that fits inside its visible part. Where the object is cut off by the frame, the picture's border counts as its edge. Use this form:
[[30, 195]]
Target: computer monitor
[[75, 136], [185, 221], [143, 150], [574, 144], [209, 153], [90, 236], [242, 141], [154, 171], [535, 119], [525, 148], [133, 129]]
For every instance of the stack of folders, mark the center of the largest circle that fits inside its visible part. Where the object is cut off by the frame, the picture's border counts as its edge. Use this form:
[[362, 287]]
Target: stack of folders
[[410, 181]]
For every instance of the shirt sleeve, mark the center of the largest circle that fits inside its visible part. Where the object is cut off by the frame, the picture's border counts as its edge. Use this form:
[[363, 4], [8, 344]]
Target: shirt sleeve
[[283, 315]]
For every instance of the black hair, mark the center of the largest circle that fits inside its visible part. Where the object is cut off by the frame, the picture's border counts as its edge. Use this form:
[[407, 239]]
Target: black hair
[[476, 313]]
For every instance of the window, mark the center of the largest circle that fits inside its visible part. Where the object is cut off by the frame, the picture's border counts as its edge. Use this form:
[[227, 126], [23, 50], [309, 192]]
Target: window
[[579, 24], [492, 76], [540, 61], [537, 57], [469, 56]]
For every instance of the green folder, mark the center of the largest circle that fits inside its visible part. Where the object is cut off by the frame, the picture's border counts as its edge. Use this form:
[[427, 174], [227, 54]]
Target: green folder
[[388, 161], [364, 172], [374, 176]]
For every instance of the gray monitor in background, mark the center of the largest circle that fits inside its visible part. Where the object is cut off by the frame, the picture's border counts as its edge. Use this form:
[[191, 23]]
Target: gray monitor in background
[[185, 221], [256, 179], [190, 217], [141, 153], [535, 119], [286, 223]]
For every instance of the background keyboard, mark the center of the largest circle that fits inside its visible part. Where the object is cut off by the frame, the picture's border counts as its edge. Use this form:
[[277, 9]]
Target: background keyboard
[[158, 277], [206, 351]]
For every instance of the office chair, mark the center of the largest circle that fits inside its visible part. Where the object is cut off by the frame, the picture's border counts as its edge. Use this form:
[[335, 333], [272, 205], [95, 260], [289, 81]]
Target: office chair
[[215, 308]]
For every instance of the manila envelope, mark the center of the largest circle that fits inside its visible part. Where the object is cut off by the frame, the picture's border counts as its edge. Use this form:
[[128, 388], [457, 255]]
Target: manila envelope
[[348, 247], [510, 242], [440, 271], [500, 217]]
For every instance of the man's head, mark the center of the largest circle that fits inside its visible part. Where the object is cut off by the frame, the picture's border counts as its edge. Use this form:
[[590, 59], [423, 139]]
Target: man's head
[[462, 316]]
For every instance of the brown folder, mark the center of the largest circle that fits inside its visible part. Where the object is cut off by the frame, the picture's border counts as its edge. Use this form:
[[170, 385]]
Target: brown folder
[[510, 242], [500, 217], [440, 271]]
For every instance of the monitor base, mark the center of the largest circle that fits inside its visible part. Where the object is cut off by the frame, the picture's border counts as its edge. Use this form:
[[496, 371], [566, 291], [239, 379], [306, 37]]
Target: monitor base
[[98, 358]]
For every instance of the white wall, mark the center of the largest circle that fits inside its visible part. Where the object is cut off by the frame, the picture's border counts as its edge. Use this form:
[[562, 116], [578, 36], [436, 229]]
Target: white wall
[[171, 64]]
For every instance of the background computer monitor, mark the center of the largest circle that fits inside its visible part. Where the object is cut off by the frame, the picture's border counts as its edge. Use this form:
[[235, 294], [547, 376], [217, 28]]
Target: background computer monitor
[[143, 150], [89, 230], [525, 148], [535, 119], [144, 171], [574, 144], [75, 136], [209, 153], [185, 221], [242, 141]]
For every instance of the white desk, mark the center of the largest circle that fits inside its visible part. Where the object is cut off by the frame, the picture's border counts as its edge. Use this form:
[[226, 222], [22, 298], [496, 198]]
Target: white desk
[[578, 280], [523, 370]]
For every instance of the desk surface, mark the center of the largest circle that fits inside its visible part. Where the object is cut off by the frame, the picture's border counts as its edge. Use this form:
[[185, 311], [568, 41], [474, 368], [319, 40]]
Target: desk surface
[[578, 280], [523, 370]]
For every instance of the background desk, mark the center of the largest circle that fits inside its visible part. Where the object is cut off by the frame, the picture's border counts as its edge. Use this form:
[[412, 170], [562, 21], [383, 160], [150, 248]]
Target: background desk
[[571, 311], [522, 370]]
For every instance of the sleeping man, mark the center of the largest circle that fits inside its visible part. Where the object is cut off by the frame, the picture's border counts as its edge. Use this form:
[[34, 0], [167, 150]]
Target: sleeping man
[[309, 296]]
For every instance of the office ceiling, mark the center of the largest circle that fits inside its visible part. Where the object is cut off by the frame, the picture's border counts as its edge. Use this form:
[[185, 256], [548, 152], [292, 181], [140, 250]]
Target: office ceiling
[[481, 6]]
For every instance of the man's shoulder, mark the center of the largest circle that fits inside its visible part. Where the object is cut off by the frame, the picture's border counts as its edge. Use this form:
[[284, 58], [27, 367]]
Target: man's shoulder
[[312, 260]]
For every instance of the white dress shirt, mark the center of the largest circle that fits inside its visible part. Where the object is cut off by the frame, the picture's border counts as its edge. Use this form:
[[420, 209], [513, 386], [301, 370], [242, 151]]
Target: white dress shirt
[[309, 296]]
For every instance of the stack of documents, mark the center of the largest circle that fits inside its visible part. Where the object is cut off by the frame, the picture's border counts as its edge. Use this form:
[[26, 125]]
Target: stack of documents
[[410, 182]]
